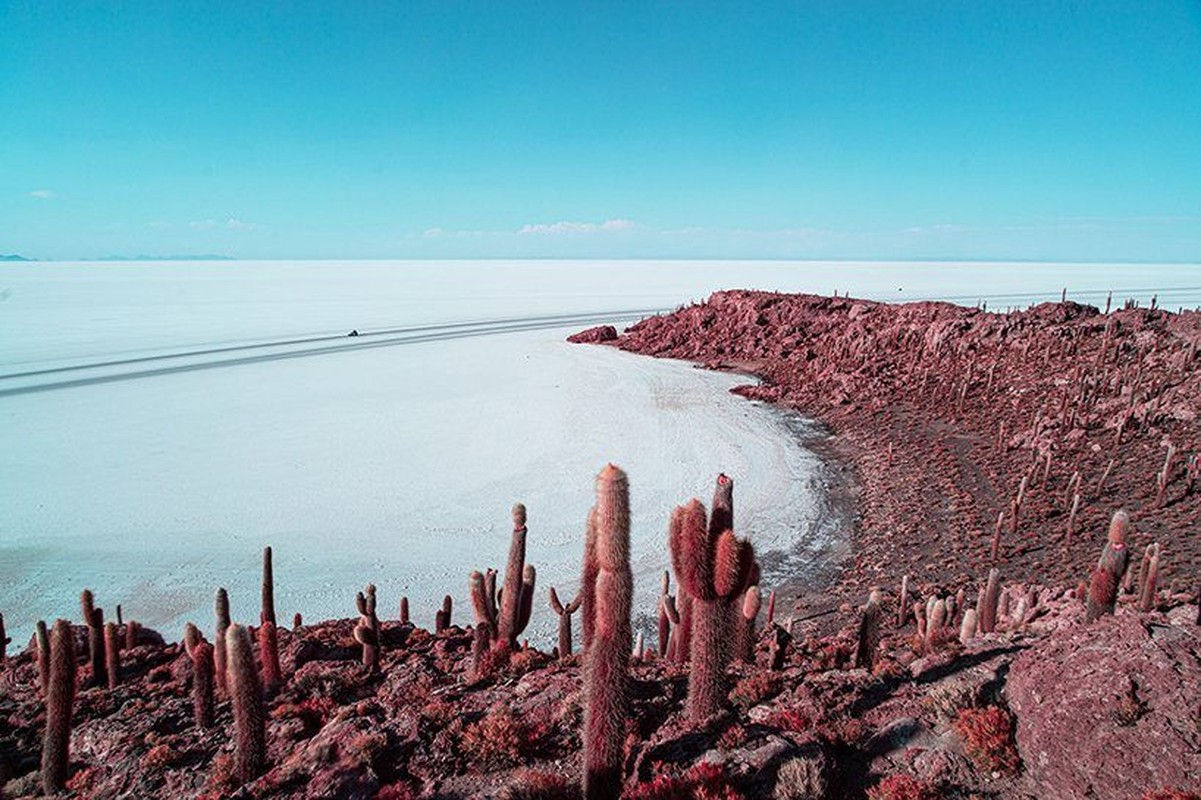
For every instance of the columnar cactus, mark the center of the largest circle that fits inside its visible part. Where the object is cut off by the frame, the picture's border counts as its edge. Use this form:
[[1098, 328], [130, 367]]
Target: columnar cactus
[[1146, 597], [903, 602], [267, 614], [481, 643], [448, 605], [221, 608], [43, 643], [771, 609], [269, 656], [745, 651], [60, 701], [202, 684], [606, 661], [869, 631], [588, 580], [714, 568], [246, 694], [967, 629], [668, 615], [94, 618], [935, 621], [5, 640], [529, 577], [132, 629], [564, 613], [112, 655], [481, 603], [404, 611], [1115, 557], [366, 632], [508, 630], [297, 622], [986, 603]]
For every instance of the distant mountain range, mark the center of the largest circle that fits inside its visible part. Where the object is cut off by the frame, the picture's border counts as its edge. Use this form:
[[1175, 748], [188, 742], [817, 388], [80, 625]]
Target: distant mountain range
[[185, 257], [13, 257]]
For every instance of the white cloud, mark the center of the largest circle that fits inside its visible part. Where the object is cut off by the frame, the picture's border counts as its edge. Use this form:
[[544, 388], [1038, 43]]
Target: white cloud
[[232, 224], [568, 227], [42, 194]]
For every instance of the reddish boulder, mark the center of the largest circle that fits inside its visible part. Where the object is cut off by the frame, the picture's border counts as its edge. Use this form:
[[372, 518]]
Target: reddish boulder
[[1107, 709]]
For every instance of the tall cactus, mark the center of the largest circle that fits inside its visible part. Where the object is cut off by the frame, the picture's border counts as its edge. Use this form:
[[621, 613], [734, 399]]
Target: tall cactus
[[246, 694], [986, 603], [60, 700], [267, 614], [1146, 597], [606, 661], [588, 580], [221, 608], [714, 567], [1115, 557], [564, 613], [508, 629], [868, 640]]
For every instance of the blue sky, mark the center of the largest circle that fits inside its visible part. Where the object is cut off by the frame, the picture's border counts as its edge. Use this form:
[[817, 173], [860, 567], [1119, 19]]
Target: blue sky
[[801, 130]]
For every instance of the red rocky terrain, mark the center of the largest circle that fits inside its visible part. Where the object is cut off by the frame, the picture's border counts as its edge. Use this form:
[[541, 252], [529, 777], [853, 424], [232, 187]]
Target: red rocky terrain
[[949, 682]]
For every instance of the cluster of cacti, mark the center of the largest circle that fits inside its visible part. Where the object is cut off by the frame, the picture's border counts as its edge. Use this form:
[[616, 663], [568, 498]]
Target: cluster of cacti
[[1111, 567], [606, 659], [60, 702], [366, 632], [507, 609], [246, 696], [714, 568], [442, 615], [564, 613]]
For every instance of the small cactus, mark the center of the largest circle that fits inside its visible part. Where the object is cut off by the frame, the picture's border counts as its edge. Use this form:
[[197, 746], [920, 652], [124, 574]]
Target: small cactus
[[250, 734], [934, 624], [112, 655], [1115, 557], [606, 661], [60, 701], [986, 603], [93, 617], [747, 633], [903, 602], [564, 613], [967, 628], [668, 615], [132, 629], [297, 622], [269, 656], [221, 608], [366, 632], [1146, 601], [771, 609], [202, 684], [868, 638], [5, 641], [404, 611], [43, 643]]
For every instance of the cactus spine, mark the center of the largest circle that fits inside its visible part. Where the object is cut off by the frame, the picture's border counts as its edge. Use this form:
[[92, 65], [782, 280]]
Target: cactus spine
[[564, 612], [250, 734], [714, 567], [221, 607], [60, 699], [606, 660]]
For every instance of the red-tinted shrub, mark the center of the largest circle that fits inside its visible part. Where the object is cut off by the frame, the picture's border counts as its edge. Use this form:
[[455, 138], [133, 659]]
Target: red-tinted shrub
[[988, 738]]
